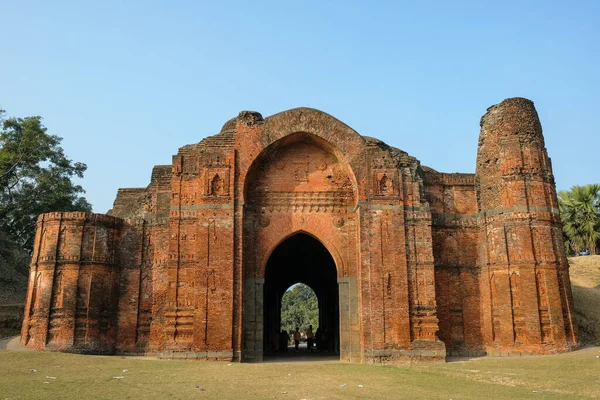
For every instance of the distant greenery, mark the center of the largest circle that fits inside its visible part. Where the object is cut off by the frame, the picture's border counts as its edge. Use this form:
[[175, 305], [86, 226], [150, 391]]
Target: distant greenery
[[580, 214], [35, 178], [299, 308]]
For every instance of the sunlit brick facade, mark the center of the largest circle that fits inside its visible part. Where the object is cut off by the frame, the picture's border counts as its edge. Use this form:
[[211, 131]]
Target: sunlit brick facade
[[408, 263]]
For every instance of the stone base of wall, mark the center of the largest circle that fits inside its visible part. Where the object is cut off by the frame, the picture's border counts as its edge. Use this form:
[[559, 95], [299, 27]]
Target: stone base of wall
[[496, 353], [433, 352], [189, 355], [387, 357], [528, 350], [88, 349]]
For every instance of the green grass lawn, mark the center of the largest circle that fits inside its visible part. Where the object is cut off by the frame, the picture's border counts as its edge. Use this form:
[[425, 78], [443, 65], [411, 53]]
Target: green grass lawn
[[71, 376]]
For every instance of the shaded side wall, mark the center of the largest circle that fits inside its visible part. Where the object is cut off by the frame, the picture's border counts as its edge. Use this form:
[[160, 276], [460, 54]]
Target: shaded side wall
[[143, 251], [455, 238], [72, 294]]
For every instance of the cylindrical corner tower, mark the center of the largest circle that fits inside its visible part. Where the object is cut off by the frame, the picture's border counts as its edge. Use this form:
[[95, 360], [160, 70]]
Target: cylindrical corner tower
[[526, 293], [71, 302]]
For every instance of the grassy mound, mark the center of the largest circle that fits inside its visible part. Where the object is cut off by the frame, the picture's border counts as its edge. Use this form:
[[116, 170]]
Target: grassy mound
[[585, 281]]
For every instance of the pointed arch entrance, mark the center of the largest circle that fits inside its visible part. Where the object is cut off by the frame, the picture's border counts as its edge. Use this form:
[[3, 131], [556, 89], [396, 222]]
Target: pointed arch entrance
[[300, 202], [301, 258]]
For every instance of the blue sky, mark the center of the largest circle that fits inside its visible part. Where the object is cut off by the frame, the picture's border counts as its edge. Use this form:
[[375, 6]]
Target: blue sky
[[126, 83]]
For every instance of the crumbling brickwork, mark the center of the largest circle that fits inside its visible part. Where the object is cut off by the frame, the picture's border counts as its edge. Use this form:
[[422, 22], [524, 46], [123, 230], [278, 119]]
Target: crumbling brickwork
[[408, 263]]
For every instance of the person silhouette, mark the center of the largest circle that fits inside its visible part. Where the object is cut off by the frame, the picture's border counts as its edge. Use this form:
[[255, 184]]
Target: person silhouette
[[310, 337], [297, 337]]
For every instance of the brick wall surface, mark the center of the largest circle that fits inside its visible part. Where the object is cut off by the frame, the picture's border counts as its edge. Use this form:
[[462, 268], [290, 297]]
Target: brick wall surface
[[427, 263]]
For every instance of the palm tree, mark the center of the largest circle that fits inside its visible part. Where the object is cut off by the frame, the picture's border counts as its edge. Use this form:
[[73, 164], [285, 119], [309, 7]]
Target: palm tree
[[580, 214], [568, 214]]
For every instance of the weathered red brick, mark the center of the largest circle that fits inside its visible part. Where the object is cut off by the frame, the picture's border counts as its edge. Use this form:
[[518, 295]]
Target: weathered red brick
[[426, 262]]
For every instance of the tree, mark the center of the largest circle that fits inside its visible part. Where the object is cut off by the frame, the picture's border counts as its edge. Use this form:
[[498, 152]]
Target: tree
[[35, 177], [299, 308], [580, 214]]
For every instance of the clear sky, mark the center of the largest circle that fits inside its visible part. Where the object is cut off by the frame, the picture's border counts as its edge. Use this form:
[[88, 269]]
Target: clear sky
[[126, 83]]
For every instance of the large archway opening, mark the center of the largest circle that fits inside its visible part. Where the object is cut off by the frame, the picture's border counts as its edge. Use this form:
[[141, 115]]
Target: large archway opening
[[301, 259]]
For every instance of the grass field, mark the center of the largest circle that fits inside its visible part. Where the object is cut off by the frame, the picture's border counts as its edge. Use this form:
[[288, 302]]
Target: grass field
[[70, 376]]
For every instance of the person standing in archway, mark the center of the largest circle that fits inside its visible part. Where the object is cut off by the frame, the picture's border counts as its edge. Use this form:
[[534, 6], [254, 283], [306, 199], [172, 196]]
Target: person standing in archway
[[297, 337], [310, 337]]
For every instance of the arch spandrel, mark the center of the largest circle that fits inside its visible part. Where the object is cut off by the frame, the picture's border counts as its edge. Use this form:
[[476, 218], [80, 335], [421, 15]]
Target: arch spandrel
[[300, 182], [255, 138], [300, 173]]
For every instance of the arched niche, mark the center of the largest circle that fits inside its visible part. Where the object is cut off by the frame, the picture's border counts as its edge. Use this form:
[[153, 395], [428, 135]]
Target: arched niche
[[300, 172], [299, 186]]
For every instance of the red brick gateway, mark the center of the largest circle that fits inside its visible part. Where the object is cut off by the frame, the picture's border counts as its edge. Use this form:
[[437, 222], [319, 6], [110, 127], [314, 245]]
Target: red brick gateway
[[408, 263]]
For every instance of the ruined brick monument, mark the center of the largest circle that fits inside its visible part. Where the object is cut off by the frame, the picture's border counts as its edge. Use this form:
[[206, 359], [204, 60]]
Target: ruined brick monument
[[408, 263]]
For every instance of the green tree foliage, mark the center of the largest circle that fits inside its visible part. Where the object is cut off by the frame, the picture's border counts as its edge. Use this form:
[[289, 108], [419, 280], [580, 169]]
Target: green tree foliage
[[14, 262], [299, 308], [35, 177], [580, 214]]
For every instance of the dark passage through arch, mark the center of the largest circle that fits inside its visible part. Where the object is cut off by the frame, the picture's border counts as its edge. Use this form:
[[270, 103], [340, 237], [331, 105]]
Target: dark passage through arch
[[301, 258]]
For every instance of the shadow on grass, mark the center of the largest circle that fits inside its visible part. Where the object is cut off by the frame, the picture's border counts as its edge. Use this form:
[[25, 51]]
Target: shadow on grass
[[302, 355]]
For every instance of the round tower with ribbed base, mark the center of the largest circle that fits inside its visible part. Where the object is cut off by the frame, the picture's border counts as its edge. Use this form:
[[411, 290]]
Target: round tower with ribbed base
[[527, 304], [71, 299]]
